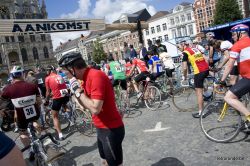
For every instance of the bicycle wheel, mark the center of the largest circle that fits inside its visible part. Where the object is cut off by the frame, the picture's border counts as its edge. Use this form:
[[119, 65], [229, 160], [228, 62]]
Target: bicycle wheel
[[84, 122], [185, 99], [152, 98], [220, 129], [64, 121], [124, 104]]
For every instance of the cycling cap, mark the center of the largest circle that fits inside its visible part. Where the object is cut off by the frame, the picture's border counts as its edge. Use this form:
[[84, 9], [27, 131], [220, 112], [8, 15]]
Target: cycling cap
[[17, 71], [240, 28], [69, 58], [210, 34], [225, 45]]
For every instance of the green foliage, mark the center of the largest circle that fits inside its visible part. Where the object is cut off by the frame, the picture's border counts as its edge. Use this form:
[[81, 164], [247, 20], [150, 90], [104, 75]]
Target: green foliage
[[98, 52], [226, 11]]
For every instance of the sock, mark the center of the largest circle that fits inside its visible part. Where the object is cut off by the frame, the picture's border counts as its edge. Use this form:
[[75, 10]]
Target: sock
[[60, 135], [200, 112], [248, 118]]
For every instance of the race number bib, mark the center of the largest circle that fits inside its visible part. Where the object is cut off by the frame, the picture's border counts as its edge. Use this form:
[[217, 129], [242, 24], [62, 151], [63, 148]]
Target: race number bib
[[64, 92], [29, 112], [40, 81], [118, 68], [160, 68]]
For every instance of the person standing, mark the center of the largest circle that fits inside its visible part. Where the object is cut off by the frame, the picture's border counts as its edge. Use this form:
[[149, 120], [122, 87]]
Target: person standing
[[133, 53], [96, 94], [160, 47]]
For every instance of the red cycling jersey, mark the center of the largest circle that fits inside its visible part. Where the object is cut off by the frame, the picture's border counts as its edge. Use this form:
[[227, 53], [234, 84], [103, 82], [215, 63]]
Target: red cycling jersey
[[140, 65], [241, 52], [23, 96], [98, 86], [57, 85], [128, 67]]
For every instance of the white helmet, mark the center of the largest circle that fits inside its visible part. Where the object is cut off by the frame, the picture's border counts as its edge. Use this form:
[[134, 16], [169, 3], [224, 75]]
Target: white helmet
[[210, 34], [17, 72], [225, 45]]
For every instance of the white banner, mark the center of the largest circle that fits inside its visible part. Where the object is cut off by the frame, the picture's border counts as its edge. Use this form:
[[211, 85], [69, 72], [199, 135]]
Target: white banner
[[30, 26]]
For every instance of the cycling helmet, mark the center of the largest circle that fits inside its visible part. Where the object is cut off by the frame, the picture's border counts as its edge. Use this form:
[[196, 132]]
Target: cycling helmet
[[17, 72], [69, 58], [51, 68], [225, 45], [240, 28], [210, 34]]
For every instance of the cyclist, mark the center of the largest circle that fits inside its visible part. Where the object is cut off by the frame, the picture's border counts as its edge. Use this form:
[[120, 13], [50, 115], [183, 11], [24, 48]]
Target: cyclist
[[40, 76], [118, 73], [155, 65], [224, 47], [96, 94], [240, 53], [201, 71], [143, 73], [26, 100], [56, 87], [169, 68]]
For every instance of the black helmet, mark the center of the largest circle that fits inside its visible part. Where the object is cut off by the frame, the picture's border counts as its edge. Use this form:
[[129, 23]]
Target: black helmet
[[69, 58], [51, 68]]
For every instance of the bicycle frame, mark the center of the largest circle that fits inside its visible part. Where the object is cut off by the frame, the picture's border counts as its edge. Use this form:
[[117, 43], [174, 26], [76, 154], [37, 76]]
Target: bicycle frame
[[223, 112]]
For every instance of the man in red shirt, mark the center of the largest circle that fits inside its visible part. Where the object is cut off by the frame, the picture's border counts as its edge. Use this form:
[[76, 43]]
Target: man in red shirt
[[143, 73], [56, 87], [240, 52], [96, 94]]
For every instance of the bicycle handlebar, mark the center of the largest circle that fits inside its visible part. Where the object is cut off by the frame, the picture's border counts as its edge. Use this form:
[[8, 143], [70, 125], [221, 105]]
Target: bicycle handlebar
[[40, 139]]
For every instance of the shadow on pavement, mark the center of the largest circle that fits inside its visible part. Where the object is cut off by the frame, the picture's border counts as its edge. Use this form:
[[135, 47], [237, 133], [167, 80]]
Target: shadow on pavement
[[168, 161], [74, 152]]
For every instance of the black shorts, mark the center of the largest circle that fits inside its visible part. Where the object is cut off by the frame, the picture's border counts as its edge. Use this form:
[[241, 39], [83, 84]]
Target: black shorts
[[234, 71], [154, 76], [241, 87], [199, 79], [109, 143], [123, 83], [57, 103], [43, 89], [141, 76], [169, 72], [22, 124]]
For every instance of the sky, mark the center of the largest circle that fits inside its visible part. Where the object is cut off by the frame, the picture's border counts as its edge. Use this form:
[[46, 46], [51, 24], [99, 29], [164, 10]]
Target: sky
[[110, 10]]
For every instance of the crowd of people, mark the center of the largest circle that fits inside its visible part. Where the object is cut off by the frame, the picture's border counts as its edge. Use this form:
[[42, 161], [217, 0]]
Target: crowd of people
[[93, 87]]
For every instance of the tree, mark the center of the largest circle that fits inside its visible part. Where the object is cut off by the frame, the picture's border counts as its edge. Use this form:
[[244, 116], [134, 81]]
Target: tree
[[98, 52], [226, 11]]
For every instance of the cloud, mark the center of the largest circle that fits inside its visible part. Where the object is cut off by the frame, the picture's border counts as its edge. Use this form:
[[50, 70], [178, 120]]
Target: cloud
[[82, 11], [112, 9]]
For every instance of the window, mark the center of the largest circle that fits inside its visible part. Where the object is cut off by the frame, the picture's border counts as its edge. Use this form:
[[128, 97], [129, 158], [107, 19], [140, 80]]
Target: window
[[189, 17], [172, 21], [35, 53], [7, 40], [179, 32], [209, 11], [174, 33], [182, 18], [190, 29], [152, 30], [160, 38], [1, 60], [154, 40], [207, 1], [12, 39], [24, 55], [164, 26], [166, 37], [210, 22], [21, 39], [177, 20], [158, 28], [202, 26], [43, 37], [147, 32], [32, 38], [46, 52], [199, 13]]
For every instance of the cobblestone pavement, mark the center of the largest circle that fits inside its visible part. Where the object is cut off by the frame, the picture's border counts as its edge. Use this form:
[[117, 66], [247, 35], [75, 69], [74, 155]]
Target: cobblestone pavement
[[160, 138]]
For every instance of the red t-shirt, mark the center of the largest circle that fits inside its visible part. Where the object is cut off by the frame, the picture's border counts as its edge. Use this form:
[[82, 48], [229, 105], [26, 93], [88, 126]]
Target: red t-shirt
[[23, 96], [128, 67], [57, 85], [241, 52], [98, 86], [140, 65]]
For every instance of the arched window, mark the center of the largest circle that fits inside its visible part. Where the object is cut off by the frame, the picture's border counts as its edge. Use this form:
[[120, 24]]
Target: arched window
[[35, 53], [46, 52], [24, 55]]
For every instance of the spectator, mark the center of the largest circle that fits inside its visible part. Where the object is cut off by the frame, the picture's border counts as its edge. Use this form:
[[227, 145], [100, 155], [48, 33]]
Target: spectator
[[152, 47], [143, 52], [160, 47], [126, 51], [133, 53]]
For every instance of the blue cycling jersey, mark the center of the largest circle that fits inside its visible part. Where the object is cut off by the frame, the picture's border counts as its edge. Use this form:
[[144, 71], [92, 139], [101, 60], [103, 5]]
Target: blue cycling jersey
[[156, 64]]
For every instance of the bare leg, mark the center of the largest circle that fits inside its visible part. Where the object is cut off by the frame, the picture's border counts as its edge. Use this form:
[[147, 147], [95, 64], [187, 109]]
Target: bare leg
[[56, 121], [24, 137], [199, 98], [104, 162]]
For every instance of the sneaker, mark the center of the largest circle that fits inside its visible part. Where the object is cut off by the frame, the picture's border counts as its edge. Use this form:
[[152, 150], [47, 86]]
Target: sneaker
[[196, 115], [31, 156], [61, 138], [245, 125], [16, 130], [139, 95]]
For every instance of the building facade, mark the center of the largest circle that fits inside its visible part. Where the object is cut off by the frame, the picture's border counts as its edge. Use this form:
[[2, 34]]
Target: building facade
[[25, 50]]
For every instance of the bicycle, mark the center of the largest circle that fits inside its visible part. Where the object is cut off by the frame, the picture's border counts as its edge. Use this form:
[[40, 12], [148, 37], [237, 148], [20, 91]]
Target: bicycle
[[220, 122], [41, 152]]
